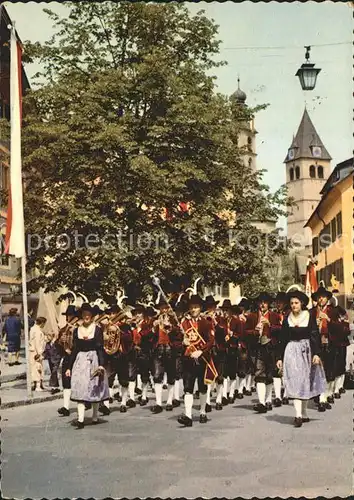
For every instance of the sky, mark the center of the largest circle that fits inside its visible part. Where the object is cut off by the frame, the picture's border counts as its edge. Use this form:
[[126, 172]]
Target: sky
[[263, 44]]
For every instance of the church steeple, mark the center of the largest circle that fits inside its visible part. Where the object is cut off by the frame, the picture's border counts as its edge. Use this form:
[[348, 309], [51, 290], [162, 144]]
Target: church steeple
[[307, 143]]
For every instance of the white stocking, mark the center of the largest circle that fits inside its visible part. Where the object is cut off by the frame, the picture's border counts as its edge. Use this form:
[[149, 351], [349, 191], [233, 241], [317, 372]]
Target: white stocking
[[277, 387], [261, 392], [219, 393], [124, 396], [131, 387], [323, 397], [94, 412], [298, 408], [202, 398], [304, 408], [342, 380], [195, 386], [242, 385], [66, 397], [238, 380], [106, 403], [111, 392], [269, 390], [188, 404], [144, 391], [158, 394], [224, 388], [337, 385], [177, 389], [138, 381], [80, 412], [208, 394], [331, 388], [170, 394], [248, 382], [232, 388], [164, 379]]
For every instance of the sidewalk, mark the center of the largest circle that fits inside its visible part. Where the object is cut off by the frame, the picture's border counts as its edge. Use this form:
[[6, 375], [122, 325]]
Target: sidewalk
[[11, 373], [15, 394]]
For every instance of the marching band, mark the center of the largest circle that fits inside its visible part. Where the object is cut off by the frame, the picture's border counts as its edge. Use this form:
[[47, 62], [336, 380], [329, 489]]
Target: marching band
[[195, 345]]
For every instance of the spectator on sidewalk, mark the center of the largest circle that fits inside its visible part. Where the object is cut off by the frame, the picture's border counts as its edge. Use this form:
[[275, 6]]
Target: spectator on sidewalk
[[36, 351], [12, 334], [53, 356]]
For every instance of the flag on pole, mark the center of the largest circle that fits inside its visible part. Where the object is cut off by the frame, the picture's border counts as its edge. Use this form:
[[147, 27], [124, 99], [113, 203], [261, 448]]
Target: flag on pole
[[311, 284], [15, 227]]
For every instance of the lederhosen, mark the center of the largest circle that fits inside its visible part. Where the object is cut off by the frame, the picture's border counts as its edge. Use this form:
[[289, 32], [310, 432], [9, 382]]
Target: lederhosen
[[231, 348], [266, 352], [143, 339], [276, 336], [163, 355], [66, 381], [245, 362], [126, 364], [195, 369]]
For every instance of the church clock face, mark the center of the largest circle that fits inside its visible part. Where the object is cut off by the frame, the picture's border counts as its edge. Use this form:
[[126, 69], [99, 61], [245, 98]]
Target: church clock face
[[291, 154], [316, 151]]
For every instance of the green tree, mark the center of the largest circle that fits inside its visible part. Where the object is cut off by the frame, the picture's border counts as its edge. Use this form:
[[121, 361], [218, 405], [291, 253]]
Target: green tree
[[126, 124]]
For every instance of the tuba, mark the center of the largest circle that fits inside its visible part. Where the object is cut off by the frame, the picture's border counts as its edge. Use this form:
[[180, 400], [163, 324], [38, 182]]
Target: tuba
[[111, 340], [65, 335]]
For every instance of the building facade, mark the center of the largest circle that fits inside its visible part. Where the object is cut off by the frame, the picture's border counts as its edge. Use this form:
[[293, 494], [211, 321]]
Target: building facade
[[308, 166], [331, 224]]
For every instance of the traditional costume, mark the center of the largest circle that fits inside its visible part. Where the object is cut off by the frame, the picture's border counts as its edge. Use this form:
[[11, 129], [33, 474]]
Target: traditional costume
[[246, 346], [143, 335]]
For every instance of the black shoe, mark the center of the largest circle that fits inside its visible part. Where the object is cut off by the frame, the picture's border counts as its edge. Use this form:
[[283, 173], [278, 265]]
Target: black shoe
[[298, 422], [156, 409], [55, 391], [138, 391], [285, 401], [196, 395], [239, 395], [169, 407], [104, 410], [321, 407], [208, 408], [253, 389], [176, 403], [218, 406], [259, 408], [110, 400], [231, 400], [224, 401], [342, 391], [64, 412], [184, 420], [305, 420], [131, 403], [143, 402], [337, 395], [316, 400], [203, 419], [269, 406], [17, 363], [277, 402], [118, 397], [11, 364], [328, 406], [165, 386], [123, 409], [330, 400], [88, 406], [79, 425], [247, 393]]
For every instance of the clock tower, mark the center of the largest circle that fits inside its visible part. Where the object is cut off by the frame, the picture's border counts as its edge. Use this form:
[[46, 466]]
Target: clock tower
[[308, 165]]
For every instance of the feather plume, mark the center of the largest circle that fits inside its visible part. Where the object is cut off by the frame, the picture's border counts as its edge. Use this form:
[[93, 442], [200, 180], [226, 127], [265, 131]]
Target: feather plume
[[297, 287]]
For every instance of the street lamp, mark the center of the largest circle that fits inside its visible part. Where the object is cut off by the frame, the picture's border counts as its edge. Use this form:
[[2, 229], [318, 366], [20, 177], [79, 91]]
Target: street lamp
[[307, 73]]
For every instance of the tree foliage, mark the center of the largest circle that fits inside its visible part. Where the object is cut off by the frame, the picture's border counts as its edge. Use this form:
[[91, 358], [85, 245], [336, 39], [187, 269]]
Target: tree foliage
[[126, 123]]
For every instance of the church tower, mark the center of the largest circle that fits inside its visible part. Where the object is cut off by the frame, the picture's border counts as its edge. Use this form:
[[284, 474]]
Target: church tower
[[308, 166], [247, 134]]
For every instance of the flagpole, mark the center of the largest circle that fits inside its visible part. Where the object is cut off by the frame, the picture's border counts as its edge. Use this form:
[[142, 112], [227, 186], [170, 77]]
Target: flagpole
[[25, 324]]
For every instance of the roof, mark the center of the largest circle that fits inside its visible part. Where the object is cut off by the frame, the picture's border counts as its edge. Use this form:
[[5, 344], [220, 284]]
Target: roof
[[340, 172], [5, 56], [307, 137]]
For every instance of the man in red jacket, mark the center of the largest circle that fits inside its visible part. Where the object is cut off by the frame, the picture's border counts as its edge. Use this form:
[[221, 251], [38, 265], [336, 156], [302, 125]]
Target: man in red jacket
[[261, 324], [334, 331], [197, 363]]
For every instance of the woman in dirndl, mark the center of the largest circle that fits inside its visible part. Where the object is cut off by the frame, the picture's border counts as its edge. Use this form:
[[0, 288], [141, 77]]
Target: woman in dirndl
[[303, 373], [89, 383]]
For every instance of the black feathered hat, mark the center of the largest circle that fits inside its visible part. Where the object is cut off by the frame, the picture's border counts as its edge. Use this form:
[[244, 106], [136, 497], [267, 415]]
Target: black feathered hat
[[195, 300], [321, 292], [264, 297], [226, 304], [281, 297], [297, 294], [70, 311], [210, 301]]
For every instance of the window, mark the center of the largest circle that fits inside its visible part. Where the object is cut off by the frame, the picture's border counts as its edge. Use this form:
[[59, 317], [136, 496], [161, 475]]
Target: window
[[4, 176], [325, 236], [249, 143], [333, 229], [291, 174], [312, 171], [315, 249], [250, 162], [339, 224], [225, 291], [297, 172], [4, 259], [320, 172]]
